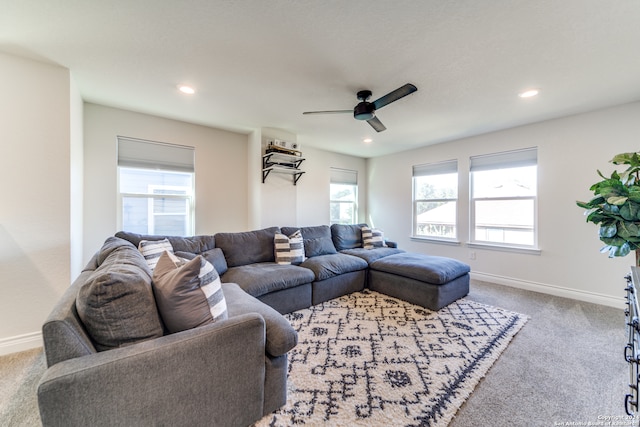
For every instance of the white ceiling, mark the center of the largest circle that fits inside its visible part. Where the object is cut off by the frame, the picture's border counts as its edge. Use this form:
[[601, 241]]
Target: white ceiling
[[260, 64]]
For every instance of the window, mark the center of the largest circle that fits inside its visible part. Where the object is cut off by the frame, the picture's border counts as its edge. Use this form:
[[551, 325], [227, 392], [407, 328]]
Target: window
[[156, 187], [435, 197], [504, 198], [343, 196]]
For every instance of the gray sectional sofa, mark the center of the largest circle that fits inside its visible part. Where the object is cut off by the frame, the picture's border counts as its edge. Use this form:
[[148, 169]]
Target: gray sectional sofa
[[112, 361]]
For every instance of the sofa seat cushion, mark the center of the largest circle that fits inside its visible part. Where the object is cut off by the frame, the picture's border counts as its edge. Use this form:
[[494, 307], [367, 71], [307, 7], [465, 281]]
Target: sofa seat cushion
[[247, 247], [327, 266], [437, 270], [116, 302], [266, 277], [280, 336], [370, 255]]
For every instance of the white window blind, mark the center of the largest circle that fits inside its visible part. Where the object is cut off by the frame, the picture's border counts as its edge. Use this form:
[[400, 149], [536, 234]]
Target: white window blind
[[138, 153], [505, 160], [439, 168], [344, 176]]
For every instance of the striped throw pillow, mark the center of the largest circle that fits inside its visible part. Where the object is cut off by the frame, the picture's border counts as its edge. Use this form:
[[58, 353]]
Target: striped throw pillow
[[188, 293], [372, 238], [289, 249], [152, 249]]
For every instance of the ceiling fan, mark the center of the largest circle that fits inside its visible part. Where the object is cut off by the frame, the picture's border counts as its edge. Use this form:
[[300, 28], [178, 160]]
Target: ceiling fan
[[367, 110]]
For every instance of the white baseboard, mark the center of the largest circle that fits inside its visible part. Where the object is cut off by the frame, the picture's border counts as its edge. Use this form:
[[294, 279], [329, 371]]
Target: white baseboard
[[20, 343], [559, 291]]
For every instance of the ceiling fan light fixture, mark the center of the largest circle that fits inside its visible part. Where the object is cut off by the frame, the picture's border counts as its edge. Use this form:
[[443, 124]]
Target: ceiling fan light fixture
[[364, 111]]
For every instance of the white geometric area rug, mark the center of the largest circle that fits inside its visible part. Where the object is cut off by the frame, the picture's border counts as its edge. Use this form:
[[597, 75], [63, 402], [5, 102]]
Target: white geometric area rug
[[367, 359]]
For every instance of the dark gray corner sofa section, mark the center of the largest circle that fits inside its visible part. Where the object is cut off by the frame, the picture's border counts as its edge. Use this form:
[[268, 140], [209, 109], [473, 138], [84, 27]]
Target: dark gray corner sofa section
[[233, 371]]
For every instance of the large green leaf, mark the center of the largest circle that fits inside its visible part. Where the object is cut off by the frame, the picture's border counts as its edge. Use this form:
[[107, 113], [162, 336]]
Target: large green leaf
[[626, 230], [617, 251], [610, 209], [634, 194], [608, 230], [617, 200], [630, 211]]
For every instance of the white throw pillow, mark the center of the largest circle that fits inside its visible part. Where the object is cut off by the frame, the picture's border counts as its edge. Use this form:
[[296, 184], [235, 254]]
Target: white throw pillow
[[152, 249], [372, 238], [289, 249]]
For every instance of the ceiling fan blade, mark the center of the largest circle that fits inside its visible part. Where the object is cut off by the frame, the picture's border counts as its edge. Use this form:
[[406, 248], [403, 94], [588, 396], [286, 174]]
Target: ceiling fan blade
[[392, 96], [328, 112], [376, 124]]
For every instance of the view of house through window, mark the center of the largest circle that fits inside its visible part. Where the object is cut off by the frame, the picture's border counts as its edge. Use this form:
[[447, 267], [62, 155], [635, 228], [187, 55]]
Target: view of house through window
[[343, 196], [503, 198], [156, 187], [435, 196]]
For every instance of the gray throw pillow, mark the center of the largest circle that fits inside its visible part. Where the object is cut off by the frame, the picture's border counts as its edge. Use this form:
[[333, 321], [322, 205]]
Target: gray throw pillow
[[188, 293], [116, 303], [319, 246]]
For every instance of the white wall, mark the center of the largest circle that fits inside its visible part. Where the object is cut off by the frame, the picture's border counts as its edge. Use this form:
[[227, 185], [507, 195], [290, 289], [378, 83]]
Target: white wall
[[221, 170], [306, 203], [569, 152], [313, 187], [37, 127], [76, 214]]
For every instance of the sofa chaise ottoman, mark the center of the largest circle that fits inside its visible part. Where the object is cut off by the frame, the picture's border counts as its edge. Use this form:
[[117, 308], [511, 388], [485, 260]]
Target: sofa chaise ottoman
[[426, 280]]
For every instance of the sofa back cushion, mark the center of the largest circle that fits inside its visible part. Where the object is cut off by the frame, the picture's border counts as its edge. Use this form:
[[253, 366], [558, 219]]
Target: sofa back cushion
[[347, 236], [317, 240], [192, 244], [116, 303], [248, 247]]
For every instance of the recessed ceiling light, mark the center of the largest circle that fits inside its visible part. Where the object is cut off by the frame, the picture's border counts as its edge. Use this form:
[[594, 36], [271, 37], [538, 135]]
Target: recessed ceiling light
[[367, 140], [186, 89], [529, 93]]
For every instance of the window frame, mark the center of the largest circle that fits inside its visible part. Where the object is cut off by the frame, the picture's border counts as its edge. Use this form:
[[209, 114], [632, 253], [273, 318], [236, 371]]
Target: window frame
[[151, 156], [496, 161], [432, 169], [348, 177]]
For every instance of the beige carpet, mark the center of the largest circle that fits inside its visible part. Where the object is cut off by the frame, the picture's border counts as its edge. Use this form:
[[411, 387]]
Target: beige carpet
[[372, 360], [566, 366], [19, 376]]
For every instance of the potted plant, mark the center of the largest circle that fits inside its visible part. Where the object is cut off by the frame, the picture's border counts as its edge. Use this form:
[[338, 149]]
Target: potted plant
[[615, 207]]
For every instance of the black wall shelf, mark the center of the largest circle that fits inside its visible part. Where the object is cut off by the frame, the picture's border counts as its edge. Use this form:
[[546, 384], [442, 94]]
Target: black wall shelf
[[282, 163]]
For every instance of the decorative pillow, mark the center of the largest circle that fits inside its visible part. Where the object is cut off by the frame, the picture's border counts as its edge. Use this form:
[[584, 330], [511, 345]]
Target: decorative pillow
[[372, 238], [152, 249], [215, 256], [319, 246], [116, 303], [188, 293], [289, 249]]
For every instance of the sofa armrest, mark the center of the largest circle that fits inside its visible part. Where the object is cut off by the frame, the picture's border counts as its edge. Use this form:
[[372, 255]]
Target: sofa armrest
[[212, 375], [280, 335]]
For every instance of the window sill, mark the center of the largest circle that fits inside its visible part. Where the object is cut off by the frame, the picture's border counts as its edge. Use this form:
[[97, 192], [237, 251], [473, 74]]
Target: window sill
[[435, 240], [505, 248]]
